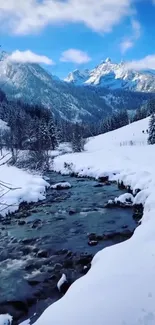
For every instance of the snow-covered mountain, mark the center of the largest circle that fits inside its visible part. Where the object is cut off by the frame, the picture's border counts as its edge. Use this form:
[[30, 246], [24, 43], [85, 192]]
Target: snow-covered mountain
[[33, 84], [115, 76], [78, 77]]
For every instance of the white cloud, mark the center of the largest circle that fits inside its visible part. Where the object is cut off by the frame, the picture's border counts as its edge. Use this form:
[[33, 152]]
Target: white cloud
[[147, 62], [129, 42], [29, 57], [136, 29], [126, 45], [27, 16], [75, 56]]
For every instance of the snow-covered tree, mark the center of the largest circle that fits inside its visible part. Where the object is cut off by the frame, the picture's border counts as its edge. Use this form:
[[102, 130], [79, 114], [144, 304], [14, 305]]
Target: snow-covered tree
[[78, 141], [151, 138]]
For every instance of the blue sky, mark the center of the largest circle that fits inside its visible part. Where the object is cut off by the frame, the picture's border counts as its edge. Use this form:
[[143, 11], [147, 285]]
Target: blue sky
[[83, 31]]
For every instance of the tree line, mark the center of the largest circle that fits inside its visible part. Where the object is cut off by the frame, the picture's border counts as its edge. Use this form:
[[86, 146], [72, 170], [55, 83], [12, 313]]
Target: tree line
[[34, 128]]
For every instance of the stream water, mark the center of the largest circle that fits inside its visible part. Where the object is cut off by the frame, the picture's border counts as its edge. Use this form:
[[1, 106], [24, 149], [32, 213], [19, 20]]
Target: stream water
[[39, 243]]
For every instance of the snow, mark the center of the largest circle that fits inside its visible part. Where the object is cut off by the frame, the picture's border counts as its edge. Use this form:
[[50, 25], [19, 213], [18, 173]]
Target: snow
[[3, 126], [63, 185], [124, 198], [62, 280], [119, 289], [5, 319], [19, 186], [114, 76]]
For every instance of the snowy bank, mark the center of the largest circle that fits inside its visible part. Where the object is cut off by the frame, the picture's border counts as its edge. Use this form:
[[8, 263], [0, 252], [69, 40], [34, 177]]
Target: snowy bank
[[5, 319], [119, 289], [18, 186]]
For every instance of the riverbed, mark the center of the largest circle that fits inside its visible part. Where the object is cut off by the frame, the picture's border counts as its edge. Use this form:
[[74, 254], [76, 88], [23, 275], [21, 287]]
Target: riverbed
[[41, 242]]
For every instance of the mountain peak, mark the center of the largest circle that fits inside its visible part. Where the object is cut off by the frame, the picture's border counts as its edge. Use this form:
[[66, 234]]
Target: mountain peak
[[108, 60], [3, 55], [115, 76]]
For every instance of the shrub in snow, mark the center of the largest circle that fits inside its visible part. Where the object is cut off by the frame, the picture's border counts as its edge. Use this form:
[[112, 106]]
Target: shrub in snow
[[61, 186]]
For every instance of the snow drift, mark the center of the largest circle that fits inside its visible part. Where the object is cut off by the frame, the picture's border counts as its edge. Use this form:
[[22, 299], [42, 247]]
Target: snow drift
[[17, 186]]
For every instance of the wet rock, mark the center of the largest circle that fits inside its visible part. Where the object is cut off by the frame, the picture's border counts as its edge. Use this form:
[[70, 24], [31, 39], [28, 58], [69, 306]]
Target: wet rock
[[84, 259], [3, 254], [92, 242], [63, 284], [137, 191], [28, 241], [85, 269], [138, 211], [58, 267], [37, 223], [94, 237], [62, 251], [21, 222], [22, 214], [26, 250], [42, 253], [17, 309], [68, 263], [129, 190], [122, 235], [61, 186], [124, 227], [108, 183], [72, 211], [103, 179], [34, 211], [126, 233], [38, 278], [69, 254], [116, 203], [14, 240], [98, 185], [121, 186]]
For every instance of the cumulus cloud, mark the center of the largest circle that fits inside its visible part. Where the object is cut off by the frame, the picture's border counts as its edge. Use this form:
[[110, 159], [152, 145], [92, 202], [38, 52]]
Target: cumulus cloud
[[129, 42], [29, 57], [23, 17], [147, 62], [75, 56]]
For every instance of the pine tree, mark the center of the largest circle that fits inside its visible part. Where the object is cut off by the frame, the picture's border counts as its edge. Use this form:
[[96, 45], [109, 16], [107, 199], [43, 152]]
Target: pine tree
[[151, 106], [53, 134], [151, 138], [78, 141]]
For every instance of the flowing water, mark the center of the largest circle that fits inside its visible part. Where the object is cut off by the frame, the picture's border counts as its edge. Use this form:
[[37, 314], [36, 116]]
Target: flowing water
[[49, 238]]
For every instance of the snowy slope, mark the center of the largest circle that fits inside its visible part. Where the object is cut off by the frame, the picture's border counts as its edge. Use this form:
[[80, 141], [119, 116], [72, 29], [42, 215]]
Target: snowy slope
[[115, 76], [119, 289]]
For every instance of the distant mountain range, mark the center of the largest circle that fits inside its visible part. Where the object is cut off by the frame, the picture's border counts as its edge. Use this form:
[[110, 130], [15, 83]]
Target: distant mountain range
[[78, 99], [114, 76]]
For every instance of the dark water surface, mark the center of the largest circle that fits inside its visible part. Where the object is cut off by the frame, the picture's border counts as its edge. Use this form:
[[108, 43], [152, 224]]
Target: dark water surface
[[51, 238]]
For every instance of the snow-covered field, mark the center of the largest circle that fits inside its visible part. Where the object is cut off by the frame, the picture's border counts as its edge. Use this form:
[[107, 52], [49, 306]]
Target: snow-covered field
[[120, 288], [18, 186]]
